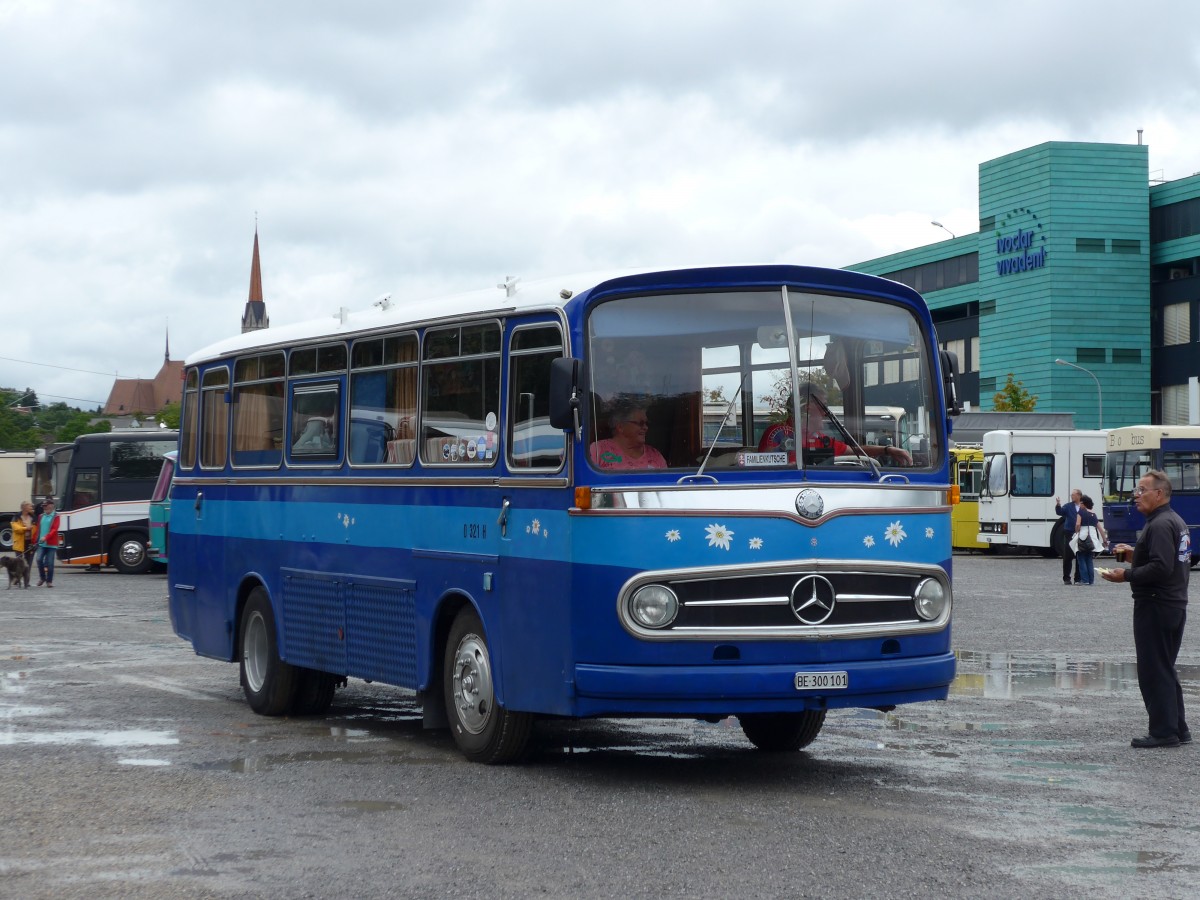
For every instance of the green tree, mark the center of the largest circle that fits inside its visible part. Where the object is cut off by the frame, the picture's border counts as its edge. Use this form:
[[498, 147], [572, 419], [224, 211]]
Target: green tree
[[77, 424], [1013, 397], [170, 414]]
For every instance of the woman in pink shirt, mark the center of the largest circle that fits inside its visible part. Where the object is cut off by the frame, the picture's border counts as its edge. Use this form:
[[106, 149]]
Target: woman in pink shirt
[[627, 448]]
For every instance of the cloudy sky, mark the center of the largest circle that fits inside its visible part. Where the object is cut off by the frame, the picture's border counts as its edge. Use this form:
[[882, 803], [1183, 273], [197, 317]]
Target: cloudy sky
[[415, 148]]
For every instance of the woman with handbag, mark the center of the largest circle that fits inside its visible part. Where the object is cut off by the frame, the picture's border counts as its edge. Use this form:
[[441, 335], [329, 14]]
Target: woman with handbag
[[25, 535], [1089, 537]]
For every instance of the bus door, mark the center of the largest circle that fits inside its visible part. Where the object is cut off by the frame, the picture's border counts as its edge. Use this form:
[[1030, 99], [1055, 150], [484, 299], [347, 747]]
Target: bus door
[[81, 524], [532, 518]]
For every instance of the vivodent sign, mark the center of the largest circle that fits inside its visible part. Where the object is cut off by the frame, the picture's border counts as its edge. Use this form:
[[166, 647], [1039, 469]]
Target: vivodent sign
[[1019, 249]]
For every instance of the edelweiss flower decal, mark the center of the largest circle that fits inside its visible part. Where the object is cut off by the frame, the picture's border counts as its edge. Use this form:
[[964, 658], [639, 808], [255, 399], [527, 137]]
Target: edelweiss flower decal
[[673, 535], [869, 541], [718, 536], [894, 534], [345, 520], [928, 532], [756, 543]]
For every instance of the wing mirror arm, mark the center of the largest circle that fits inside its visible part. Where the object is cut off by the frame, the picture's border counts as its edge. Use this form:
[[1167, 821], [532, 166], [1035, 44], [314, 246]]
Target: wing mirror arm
[[566, 403]]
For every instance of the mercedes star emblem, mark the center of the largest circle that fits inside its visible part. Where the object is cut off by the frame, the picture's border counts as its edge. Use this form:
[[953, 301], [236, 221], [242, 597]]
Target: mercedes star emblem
[[809, 504], [813, 599]]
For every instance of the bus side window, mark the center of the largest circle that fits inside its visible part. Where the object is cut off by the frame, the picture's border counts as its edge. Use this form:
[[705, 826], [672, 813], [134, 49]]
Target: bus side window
[[214, 418], [532, 443], [86, 489]]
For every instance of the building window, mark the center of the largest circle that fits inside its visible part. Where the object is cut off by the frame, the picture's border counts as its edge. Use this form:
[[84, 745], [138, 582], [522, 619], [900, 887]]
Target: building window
[[1122, 246], [1175, 404], [1175, 220], [1090, 355], [937, 276], [1089, 245], [974, 355], [987, 223], [1127, 355], [1177, 324], [987, 307]]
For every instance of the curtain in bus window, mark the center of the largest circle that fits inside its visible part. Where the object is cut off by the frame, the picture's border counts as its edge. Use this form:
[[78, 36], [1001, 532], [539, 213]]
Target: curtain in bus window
[[258, 425], [187, 435], [214, 420]]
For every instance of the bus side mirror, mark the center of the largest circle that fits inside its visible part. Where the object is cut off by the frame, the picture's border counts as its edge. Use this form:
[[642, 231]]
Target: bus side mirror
[[564, 394], [949, 370]]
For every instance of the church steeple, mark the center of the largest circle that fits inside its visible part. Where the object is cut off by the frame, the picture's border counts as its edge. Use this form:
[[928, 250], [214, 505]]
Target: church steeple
[[255, 317]]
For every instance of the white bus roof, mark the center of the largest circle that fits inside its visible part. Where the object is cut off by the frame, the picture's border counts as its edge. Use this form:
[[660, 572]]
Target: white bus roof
[[1149, 436], [384, 314]]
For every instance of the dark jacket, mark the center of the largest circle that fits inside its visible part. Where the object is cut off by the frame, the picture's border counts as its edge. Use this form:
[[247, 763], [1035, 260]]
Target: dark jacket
[[1070, 513], [1162, 559]]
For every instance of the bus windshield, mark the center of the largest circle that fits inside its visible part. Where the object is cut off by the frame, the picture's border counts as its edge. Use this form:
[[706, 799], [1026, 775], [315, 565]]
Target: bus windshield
[[1122, 471], [710, 378]]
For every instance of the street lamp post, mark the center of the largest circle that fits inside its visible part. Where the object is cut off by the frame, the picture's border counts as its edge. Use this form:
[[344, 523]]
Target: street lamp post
[[1099, 393], [943, 227]]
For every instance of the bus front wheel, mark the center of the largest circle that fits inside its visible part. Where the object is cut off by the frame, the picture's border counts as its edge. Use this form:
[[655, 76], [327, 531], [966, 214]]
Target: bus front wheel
[[128, 554], [782, 732], [267, 681], [483, 730]]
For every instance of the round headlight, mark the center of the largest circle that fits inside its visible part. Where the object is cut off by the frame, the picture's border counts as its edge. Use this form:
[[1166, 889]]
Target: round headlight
[[654, 606], [930, 599]]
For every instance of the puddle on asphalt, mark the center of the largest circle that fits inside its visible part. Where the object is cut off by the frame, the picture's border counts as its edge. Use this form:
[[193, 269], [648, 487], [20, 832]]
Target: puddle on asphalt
[[247, 765], [1006, 676], [1129, 862]]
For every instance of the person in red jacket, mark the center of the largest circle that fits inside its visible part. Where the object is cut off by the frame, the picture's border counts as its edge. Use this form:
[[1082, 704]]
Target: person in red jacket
[[47, 543]]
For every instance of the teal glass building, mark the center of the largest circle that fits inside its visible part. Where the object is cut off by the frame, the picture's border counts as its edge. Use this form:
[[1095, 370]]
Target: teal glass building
[[1081, 257]]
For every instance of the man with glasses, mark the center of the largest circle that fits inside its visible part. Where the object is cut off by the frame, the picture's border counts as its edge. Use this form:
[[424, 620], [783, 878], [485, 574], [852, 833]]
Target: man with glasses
[[1158, 578]]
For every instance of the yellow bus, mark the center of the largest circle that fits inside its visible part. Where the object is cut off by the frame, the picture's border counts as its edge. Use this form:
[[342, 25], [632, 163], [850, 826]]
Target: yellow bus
[[966, 471]]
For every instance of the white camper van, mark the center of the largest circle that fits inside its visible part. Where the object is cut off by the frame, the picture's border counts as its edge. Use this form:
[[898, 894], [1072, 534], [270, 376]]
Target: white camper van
[[1023, 472]]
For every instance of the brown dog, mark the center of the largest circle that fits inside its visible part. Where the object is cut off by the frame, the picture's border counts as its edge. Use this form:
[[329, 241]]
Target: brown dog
[[17, 567]]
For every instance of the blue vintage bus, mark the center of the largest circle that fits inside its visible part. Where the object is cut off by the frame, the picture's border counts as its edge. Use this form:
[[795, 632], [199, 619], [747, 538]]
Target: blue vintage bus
[[456, 497], [1135, 450]]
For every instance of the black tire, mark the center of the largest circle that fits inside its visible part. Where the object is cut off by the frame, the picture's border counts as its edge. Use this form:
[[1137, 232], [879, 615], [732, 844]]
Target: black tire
[[6, 537], [314, 692], [128, 554], [483, 730], [267, 681], [782, 732], [1058, 540]]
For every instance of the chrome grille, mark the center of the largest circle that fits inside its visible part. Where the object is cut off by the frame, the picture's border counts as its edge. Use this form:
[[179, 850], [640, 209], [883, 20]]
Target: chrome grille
[[757, 604]]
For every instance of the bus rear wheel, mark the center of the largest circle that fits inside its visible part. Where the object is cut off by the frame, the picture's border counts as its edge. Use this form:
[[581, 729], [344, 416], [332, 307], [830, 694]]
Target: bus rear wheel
[[782, 732], [483, 730], [128, 554], [267, 681]]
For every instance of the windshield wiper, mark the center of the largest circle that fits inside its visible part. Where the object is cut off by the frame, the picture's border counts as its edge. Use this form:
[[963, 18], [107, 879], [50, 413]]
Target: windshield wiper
[[713, 446], [848, 437]]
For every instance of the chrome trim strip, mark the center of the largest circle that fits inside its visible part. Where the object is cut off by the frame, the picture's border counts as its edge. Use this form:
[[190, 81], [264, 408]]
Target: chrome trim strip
[[765, 601], [774, 501], [401, 481]]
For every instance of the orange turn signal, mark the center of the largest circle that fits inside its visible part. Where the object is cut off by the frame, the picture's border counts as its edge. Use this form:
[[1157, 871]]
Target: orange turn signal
[[583, 497], [955, 494]]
